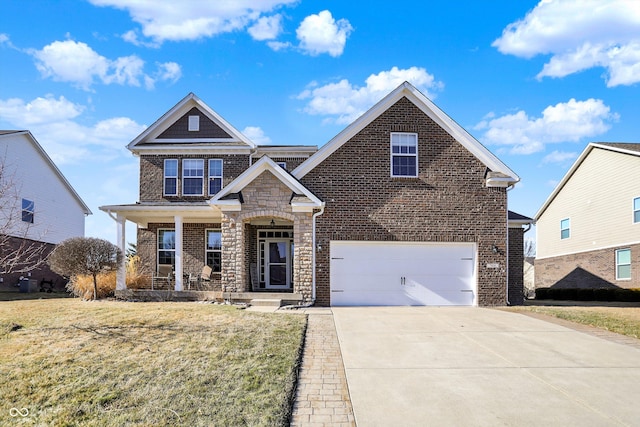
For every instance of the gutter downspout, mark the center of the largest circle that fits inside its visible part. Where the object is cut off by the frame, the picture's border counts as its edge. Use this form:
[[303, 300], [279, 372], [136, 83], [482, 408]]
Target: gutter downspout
[[509, 188], [313, 257]]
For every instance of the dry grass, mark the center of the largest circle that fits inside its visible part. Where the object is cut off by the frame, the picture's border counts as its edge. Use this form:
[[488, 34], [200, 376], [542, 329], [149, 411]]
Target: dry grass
[[621, 320], [163, 364], [82, 285]]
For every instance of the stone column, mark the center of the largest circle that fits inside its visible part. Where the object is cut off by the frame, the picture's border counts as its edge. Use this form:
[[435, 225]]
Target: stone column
[[303, 255]]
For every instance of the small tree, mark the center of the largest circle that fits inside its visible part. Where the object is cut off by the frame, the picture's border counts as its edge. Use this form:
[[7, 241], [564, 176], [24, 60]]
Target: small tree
[[85, 255]]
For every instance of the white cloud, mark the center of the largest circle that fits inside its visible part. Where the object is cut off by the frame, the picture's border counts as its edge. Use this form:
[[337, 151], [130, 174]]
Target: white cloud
[[266, 28], [191, 19], [564, 122], [54, 123], [346, 102], [256, 134], [277, 46], [560, 157], [321, 33], [77, 63], [579, 34]]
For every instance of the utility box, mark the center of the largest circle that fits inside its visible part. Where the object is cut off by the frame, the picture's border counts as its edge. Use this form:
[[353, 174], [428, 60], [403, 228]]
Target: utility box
[[24, 285]]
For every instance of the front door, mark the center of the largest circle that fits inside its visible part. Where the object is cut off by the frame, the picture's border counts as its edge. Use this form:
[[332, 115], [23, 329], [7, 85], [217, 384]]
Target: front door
[[278, 264]]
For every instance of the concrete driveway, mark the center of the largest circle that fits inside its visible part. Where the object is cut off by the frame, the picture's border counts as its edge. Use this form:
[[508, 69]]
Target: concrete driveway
[[429, 366]]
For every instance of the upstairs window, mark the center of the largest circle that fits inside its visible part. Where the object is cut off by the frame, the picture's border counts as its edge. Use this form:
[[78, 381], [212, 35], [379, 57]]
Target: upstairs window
[[565, 228], [623, 264], [192, 177], [636, 210], [27, 211], [194, 123], [215, 176], [171, 177], [404, 154]]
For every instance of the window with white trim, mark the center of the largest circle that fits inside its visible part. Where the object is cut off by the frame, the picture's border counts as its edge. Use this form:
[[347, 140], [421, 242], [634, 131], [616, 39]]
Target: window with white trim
[[192, 177], [565, 228], [27, 211], [404, 154], [215, 176], [213, 250], [171, 177], [167, 247], [283, 165], [636, 210], [623, 264], [194, 123]]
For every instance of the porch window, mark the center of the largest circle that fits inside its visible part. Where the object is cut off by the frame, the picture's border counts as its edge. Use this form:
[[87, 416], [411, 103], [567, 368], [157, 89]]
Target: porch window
[[167, 247], [213, 251], [404, 154], [623, 264], [215, 176], [192, 177], [171, 177]]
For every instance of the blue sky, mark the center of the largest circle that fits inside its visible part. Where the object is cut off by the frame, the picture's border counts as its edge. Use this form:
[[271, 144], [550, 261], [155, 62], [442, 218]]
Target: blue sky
[[533, 81]]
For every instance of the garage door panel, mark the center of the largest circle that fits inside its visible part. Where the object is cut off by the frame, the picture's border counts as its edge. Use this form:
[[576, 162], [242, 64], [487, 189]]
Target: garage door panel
[[396, 273]]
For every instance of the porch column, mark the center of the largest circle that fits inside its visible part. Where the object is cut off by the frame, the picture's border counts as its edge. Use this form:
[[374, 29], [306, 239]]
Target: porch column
[[121, 274], [178, 267]]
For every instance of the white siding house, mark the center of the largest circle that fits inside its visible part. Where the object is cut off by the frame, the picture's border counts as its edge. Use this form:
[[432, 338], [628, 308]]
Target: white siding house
[[37, 202]]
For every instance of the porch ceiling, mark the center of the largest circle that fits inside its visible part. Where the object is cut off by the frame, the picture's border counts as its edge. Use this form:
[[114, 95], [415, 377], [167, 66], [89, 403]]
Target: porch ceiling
[[142, 214]]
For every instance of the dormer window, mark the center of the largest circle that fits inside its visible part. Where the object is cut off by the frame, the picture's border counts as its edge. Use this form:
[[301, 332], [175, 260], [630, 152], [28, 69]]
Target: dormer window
[[194, 123]]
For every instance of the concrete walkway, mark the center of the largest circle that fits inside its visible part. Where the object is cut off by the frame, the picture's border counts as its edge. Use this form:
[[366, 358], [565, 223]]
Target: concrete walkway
[[423, 366], [322, 397]]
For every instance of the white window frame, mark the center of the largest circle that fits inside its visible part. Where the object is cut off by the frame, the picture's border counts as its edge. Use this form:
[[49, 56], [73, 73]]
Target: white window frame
[[194, 123], [165, 177], [206, 247], [568, 228], [636, 210], [28, 211], [393, 144], [215, 176], [160, 230], [622, 265], [189, 177]]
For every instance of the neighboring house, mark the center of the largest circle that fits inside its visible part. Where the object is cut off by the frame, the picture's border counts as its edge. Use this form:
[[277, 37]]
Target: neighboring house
[[588, 230], [403, 207], [39, 208]]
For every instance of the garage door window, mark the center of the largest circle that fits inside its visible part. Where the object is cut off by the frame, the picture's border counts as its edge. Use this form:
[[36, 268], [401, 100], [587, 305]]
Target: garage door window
[[404, 154]]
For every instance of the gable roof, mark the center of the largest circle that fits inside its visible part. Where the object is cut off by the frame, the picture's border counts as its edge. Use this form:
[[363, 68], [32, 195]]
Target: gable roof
[[502, 174], [517, 219], [47, 159], [226, 198], [154, 137], [622, 148]]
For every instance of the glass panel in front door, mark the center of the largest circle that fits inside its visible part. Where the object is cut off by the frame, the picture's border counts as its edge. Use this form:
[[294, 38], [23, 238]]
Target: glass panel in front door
[[278, 257]]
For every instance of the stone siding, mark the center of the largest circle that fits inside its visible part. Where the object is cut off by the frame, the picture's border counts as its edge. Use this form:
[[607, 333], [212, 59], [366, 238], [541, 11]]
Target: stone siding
[[594, 269], [447, 202]]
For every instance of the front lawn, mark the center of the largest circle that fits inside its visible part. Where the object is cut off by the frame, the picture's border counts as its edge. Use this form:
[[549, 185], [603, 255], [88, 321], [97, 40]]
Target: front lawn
[[108, 363], [622, 320]]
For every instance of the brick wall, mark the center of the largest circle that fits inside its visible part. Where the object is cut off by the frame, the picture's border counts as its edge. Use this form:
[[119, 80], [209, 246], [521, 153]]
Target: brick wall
[[516, 265], [594, 269], [38, 272], [448, 202], [152, 175]]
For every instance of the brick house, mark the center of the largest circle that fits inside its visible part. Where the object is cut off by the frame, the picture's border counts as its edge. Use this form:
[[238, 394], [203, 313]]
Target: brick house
[[403, 207], [588, 230]]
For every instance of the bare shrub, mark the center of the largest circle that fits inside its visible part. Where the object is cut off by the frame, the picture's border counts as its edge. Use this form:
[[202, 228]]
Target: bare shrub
[[82, 285]]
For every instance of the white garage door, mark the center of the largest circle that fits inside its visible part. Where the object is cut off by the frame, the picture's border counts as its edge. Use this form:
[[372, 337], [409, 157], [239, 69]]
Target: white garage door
[[402, 273]]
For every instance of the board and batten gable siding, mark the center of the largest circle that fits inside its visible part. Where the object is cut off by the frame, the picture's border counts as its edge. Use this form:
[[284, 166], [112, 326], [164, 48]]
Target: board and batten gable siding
[[598, 200], [447, 202], [58, 213]]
